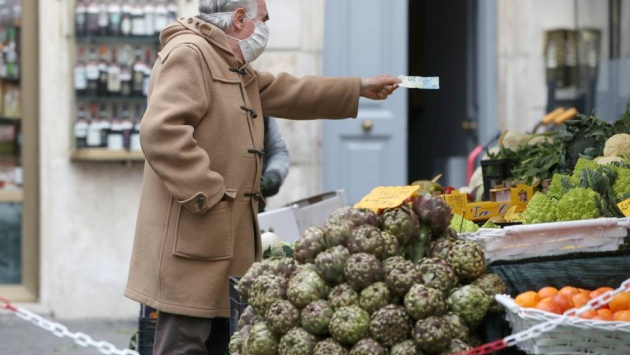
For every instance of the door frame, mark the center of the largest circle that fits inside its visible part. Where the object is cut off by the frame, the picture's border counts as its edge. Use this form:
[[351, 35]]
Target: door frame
[[487, 69]]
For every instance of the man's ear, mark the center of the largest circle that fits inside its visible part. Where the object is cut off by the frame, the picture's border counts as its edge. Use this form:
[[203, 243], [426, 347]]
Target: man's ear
[[239, 19]]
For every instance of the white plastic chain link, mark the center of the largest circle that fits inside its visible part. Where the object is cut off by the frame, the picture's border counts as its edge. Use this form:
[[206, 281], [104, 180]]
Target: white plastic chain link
[[538, 329], [61, 331]]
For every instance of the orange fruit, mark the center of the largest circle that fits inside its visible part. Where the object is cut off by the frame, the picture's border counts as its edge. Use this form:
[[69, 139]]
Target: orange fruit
[[599, 291], [588, 314], [584, 292], [548, 291], [549, 307], [605, 313], [527, 299], [620, 302], [568, 290], [563, 301], [546, 299], [622, 316], [580, 300]]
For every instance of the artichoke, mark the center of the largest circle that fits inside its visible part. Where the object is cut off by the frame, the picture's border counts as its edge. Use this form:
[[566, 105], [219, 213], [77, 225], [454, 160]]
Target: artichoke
[[330, 264], [367, 239], [467, 259], [432, 334], [349, 325], [432, 212], [316, 317], [437, 273], [402, 276], [236, 343], [266, 290], [362, 270], [245, 283], [339, 215], [459, 330], [367, 346], [422, 301], [390, 325], [305, 287], [492, 285], [282, 316], [363, 216], [389, 263], [456, 346], [284, 267], [342, 296], [401, 222], [407, 347], [297, 342], [440, 248], [246, 317], [338, 233], [470, 303], [261, 341], [330, 347], [375, 296], [391, 247], [309, 245]]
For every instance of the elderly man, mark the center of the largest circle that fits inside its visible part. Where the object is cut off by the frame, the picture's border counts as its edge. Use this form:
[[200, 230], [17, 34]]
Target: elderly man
[[202, 136]]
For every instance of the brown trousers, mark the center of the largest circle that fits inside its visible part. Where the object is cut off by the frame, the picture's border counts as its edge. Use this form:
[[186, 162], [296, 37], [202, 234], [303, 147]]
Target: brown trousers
[[183, 335]]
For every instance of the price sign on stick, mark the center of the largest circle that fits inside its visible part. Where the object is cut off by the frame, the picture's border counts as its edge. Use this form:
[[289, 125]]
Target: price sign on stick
[[387, 197], [624, 206]]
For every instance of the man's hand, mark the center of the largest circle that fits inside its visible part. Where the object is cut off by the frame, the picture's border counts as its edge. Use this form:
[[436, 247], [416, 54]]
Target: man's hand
[[270, 183], [379, 87]]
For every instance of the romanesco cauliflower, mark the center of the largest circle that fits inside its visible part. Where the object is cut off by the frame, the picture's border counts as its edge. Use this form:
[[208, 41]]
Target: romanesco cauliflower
[[583, 164], [578, 203], [621, 187], [540, 209], [462, 225], [560, 184]]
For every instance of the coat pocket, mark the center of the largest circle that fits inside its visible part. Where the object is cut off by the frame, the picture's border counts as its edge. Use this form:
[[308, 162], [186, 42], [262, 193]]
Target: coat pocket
[[206, 236]]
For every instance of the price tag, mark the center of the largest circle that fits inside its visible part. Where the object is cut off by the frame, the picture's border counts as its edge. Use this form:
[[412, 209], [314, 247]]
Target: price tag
[[624, 206], [387, 197]]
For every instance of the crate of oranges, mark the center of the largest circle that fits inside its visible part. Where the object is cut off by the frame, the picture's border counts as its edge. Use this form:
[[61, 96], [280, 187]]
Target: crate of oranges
[[605, 330]]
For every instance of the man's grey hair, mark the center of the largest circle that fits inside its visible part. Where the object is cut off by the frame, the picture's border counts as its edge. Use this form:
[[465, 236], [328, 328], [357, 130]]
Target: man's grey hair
[[221, 12]]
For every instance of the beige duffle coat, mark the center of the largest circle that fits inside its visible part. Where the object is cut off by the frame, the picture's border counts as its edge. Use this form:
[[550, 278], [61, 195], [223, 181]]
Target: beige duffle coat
[[202, 136]]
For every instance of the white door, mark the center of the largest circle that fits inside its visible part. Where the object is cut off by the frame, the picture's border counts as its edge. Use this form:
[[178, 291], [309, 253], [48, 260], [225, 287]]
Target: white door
[[366, 38]]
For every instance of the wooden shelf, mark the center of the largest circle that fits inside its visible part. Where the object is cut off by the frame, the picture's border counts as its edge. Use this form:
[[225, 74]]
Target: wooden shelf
[[104, 155], [119, 40], [7, 196], [113, 99]]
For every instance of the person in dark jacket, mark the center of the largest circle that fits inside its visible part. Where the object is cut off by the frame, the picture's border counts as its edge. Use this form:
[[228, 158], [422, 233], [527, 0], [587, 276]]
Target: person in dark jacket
[[275, 162]]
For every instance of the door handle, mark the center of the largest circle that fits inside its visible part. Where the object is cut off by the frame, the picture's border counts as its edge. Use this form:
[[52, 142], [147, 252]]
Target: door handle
[[367, 125], [469, 125]]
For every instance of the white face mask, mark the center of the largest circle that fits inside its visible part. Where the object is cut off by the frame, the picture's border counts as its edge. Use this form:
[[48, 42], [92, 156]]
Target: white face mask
[[254, 45]]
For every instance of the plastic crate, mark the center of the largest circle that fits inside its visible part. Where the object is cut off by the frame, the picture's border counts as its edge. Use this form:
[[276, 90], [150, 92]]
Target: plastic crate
[[146, 329], [236, 306]]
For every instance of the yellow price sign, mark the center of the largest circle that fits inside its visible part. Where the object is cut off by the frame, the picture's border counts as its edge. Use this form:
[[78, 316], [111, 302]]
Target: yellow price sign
[[624, 206], [384, 197]]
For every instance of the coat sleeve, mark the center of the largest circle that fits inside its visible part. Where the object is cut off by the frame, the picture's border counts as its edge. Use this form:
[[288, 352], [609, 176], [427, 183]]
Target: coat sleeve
[[309, 97], [177, 102], [276, 152]]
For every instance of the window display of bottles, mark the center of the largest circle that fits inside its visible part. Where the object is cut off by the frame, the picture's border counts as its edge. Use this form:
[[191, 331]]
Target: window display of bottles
[[123, 17], [117, 43]]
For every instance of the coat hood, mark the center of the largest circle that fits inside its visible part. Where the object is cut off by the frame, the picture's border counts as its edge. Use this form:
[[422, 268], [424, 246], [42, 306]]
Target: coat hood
[[194, 25]]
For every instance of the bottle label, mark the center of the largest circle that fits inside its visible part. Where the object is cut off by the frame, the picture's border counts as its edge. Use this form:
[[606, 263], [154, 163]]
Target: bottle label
[[94, 137], [125, 26], [137, 26], [80, 79], [91, 72], [113, 81], [79, 17]]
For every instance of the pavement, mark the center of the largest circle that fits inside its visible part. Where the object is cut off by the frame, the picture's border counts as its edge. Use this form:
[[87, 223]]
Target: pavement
[[19, 337]]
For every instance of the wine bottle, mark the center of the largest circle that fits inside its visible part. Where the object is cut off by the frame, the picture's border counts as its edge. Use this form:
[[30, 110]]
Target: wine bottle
[[137, 20], [125, 73], [161, 16], [103, 68], [93, 139], [138, 74], [172, 11], [80, 77], [105, 124], [103, 19], [115, 16], [147, 73], [113, 76], [92, 74], [80, 18], [125, 22], [115, 134], [149, 18], [81, 128], [92, 18]]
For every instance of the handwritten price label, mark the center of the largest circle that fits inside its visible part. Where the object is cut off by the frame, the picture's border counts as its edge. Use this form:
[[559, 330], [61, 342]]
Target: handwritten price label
[[624, 206], [386, 197]]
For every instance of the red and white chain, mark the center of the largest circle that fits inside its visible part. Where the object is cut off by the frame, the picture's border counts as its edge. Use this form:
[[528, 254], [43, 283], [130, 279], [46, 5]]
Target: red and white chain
[[61, 330], [541, 328]]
